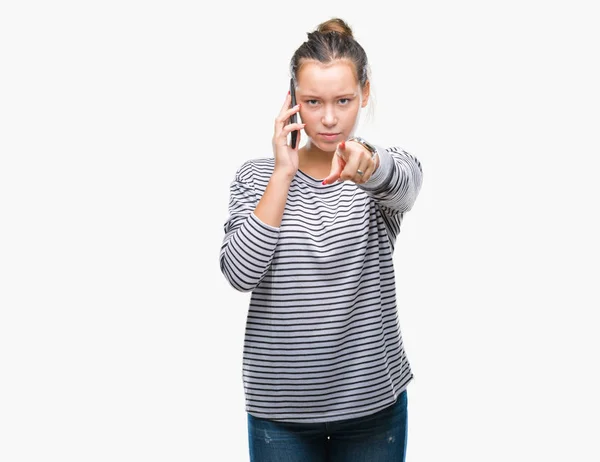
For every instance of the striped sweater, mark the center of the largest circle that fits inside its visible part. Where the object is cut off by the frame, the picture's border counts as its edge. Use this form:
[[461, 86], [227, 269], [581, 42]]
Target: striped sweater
[[322, 339]]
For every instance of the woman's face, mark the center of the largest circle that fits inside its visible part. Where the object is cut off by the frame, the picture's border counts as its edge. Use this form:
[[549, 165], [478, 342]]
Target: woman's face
[[331, 99]]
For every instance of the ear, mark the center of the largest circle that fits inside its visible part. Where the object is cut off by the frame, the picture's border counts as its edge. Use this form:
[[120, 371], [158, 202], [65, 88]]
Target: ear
[[366, 91]]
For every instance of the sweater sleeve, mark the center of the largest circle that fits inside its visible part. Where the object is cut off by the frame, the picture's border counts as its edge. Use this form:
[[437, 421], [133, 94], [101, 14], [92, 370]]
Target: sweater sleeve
[[249, 244], [395, 185]]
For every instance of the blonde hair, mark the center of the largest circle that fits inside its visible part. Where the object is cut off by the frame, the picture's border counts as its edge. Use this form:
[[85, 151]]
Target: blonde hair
[[332, 39]]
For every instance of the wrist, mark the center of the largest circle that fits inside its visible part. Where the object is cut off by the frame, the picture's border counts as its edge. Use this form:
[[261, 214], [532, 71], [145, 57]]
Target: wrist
[[282, 176]]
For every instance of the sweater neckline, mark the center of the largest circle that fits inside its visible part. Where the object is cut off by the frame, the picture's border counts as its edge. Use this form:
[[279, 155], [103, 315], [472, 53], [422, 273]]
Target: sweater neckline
[[306, 178]]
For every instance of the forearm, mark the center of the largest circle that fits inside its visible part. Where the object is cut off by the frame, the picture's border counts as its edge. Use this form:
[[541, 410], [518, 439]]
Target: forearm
[[271, 206]]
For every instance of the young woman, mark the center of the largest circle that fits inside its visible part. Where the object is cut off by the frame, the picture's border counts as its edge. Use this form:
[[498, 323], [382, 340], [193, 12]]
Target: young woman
[[311, 234]]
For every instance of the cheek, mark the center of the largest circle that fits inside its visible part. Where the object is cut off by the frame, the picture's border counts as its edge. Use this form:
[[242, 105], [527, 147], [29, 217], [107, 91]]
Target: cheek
[[350, 119], [311, 119], [308, 115], [350, 116]]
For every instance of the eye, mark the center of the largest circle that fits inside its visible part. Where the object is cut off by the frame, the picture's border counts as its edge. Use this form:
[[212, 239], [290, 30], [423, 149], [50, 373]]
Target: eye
[[312, 102], [344, 101]]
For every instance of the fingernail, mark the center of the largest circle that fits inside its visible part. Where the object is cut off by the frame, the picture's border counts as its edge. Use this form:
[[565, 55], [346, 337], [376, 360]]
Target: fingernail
[[324, 182], [343, 145]]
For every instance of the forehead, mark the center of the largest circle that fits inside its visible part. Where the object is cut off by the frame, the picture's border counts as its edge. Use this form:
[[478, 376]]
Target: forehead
[[336, 77]]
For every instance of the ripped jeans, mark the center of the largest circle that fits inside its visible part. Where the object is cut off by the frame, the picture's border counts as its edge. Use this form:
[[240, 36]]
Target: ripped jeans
[[380, 437]]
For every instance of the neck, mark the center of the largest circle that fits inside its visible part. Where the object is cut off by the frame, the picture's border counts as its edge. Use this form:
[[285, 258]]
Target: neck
[[311, 156]]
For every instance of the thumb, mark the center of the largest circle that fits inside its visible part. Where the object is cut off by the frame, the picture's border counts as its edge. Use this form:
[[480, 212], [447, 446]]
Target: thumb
[[337, 165]]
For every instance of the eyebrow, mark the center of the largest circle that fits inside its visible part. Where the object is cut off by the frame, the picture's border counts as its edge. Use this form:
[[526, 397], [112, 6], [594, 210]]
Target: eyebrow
[[339, 96]]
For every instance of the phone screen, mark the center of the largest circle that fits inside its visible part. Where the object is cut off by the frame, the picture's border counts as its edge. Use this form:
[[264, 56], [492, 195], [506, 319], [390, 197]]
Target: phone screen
[[293, 118]]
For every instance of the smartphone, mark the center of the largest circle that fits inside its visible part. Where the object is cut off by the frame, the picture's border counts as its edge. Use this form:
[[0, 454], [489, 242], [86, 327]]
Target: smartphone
[[293, 118]]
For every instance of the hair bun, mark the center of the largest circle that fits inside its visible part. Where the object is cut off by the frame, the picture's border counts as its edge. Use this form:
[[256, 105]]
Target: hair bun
[[335, 25]]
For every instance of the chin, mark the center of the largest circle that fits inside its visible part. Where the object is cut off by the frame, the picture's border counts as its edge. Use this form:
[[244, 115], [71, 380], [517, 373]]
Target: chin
[[329, 147], [326, 147]]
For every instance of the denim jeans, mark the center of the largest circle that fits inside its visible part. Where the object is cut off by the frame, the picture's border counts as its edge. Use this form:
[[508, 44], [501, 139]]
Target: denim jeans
[[379, 437]]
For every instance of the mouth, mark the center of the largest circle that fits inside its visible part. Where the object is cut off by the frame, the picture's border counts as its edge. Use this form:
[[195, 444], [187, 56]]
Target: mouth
[[329, 136]]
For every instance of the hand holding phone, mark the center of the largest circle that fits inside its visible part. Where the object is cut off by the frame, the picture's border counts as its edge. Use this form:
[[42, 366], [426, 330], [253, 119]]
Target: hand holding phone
[[293, 118]]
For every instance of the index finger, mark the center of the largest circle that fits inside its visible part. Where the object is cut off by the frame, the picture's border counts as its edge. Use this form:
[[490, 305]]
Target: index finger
[[287, 104]]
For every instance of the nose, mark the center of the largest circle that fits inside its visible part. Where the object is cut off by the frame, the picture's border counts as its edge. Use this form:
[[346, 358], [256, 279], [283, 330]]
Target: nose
[[329, 118]]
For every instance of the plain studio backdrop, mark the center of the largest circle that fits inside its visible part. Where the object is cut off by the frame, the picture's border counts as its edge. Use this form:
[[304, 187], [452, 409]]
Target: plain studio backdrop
[[122, 124]]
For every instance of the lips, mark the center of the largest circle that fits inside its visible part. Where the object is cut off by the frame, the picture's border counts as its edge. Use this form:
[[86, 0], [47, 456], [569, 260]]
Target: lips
[[329, 136]]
